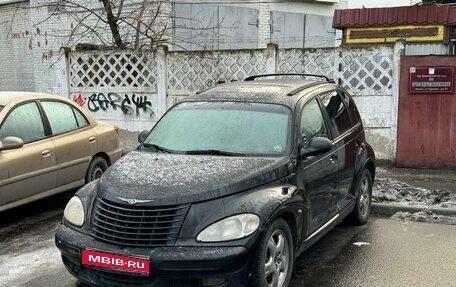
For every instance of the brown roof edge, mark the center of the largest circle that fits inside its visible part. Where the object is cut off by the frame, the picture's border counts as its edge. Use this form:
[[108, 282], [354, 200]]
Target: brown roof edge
[[393, 16]]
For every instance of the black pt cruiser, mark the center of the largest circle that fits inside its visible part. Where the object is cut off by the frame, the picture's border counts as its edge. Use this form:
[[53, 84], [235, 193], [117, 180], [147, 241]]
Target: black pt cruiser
[[227, 189]]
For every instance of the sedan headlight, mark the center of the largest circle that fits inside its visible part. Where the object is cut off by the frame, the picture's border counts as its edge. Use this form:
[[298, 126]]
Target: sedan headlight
[[230, 228], [74, 212]]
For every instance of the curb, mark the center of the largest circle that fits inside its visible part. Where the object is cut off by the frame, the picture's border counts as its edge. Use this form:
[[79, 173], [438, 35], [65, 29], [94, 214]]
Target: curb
[[390, 209]]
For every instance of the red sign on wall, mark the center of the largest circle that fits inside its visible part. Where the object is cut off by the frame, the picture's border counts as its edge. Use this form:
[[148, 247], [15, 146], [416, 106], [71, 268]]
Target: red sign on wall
[[426, 80]]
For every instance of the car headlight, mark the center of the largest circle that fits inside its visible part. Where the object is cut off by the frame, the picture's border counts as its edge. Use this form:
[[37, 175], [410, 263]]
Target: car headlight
[[230, 228], [74, 212]]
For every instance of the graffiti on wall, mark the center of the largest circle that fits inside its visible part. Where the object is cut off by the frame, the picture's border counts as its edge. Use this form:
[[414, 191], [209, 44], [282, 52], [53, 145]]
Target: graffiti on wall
[[132, 105]]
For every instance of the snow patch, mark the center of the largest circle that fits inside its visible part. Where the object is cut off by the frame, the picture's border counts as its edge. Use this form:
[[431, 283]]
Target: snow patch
[[426, 216], [18, 264], [389, 190]]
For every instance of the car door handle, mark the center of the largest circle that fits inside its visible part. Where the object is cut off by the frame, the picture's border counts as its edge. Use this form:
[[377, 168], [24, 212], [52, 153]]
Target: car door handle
[[333, 158], [46, 153], [92, 139]]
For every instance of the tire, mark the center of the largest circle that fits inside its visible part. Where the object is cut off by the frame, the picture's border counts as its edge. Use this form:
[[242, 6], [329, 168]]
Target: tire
[[276, 254], [360, 213], [97, 167]]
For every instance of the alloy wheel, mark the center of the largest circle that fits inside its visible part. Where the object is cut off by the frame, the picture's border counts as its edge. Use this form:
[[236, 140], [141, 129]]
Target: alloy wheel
[[277, 258]]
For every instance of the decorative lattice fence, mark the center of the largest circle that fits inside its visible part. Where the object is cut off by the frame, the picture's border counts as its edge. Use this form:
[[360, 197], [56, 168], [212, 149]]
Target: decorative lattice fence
[[117, 86], [191, 72], [130, 88], [362, 71], [133, 88]]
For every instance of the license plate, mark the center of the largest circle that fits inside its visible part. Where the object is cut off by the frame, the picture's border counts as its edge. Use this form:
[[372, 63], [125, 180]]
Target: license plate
[[127, 263]]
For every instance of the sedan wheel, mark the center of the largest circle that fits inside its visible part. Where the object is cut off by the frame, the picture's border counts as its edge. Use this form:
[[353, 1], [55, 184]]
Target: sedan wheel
[[97, 167], [275, 258]]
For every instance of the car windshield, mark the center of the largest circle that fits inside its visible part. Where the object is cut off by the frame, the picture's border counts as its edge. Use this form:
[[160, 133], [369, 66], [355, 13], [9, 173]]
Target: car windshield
[[223, 128]]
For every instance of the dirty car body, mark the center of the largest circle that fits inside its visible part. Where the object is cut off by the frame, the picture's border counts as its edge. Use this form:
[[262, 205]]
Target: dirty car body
[[48, 145], [227, 189]]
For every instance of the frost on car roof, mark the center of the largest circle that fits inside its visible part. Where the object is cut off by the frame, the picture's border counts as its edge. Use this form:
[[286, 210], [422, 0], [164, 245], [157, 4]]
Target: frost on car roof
[[259, 91]]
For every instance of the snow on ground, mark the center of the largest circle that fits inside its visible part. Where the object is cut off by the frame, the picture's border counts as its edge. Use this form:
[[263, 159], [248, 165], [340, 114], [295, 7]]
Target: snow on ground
[[18, 271], [424, 216], [389, 190], [30, 242]]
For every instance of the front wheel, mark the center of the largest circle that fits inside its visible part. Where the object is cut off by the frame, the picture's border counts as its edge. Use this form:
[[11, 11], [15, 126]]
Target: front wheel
[[362, 209], [275, 259]]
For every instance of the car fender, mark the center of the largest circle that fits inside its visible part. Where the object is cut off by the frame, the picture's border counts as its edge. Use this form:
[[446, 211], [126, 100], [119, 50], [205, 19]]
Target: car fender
[[365, 157], [268, 202]]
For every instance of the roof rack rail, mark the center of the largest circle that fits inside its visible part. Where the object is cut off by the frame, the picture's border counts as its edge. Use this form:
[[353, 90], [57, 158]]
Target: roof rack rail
[[219, 82], [295, 91], [251, 78]]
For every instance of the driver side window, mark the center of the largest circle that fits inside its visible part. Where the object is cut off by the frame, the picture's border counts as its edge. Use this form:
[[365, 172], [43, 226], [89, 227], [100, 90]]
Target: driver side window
[[24, 122], [312, 123]]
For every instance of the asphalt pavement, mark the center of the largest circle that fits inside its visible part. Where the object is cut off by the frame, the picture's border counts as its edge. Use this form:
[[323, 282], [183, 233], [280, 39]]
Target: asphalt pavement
[[387, 253]]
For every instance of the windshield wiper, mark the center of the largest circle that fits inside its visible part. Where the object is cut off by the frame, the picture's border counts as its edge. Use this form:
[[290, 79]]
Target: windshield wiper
[[157, 147], [213, 151]]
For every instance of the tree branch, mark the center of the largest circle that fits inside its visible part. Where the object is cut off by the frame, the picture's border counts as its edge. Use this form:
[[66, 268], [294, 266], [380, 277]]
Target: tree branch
[[112, 22]]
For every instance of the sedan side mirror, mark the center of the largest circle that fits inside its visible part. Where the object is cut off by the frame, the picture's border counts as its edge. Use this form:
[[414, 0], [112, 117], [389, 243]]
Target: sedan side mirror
[[317, 145], [142, 136], [11, 143]]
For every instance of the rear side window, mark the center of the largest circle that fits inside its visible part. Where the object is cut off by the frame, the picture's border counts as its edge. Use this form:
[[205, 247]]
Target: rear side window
[[353, 110], [312, 123], [61, 117], [23, 122], [82, 121], [337, 112]]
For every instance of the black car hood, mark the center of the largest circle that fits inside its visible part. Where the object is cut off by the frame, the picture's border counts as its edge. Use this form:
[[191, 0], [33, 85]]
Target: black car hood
[[177, 179]]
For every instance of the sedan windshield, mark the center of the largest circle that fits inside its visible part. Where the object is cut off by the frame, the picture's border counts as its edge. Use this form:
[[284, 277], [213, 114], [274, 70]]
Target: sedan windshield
[[223, 128]]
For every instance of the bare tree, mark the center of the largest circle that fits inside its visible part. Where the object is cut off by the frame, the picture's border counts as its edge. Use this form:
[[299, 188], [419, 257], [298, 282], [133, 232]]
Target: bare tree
[[137, 24], [109, 23]]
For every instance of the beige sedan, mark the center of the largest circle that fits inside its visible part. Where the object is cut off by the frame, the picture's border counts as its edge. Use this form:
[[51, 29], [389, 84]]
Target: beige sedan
[[49, 144]]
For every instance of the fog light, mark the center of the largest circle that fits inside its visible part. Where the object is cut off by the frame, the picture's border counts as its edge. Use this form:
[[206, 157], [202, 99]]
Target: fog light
[[213, 281]]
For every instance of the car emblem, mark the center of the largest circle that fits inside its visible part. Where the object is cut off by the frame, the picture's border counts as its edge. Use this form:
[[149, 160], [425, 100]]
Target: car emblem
[[133, 201]]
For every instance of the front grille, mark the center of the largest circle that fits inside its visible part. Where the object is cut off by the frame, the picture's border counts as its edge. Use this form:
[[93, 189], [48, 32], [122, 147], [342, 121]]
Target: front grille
[[131, 225]]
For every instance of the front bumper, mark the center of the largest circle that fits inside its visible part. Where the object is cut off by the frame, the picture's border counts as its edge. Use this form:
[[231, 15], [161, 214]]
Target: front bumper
[[170, 266]]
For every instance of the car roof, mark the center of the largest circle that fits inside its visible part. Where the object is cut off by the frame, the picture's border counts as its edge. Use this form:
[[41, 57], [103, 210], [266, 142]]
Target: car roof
[[278, 91], [7, 97]]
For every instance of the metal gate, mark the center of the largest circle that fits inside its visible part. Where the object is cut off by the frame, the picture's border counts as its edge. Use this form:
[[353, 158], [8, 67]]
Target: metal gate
[[427, 112]]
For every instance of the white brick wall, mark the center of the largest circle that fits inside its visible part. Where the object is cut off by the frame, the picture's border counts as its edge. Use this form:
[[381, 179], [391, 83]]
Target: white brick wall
[[46, 42], [30, 57], [16, 59], [264, 26]]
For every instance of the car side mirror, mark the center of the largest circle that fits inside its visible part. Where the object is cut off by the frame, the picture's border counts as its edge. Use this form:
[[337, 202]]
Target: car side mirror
[[142, 136], [11, 143], [317, 145]]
